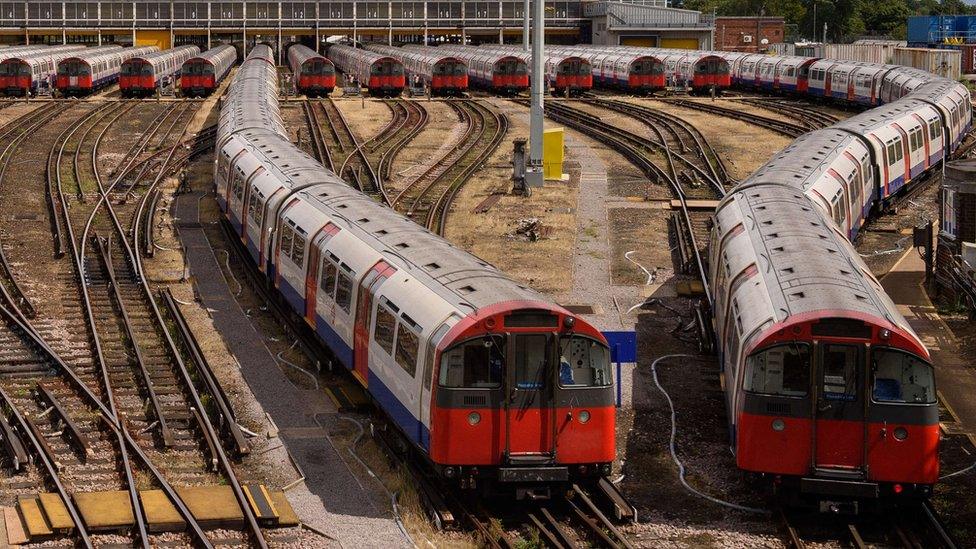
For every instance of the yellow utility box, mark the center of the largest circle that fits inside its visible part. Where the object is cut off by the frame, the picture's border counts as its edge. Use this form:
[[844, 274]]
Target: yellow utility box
[[160, 39], [552, 153], [680, 43]]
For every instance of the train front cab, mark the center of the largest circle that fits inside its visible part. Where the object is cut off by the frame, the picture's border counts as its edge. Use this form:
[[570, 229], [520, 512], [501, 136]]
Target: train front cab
[[839, 412], [574, 75], [136, 78], [317, 77], [449, 76], [523, 401], [75, 77], [510, 76], [15, 77], [646, 75], [197, 77], [386, 77], [711, 71]]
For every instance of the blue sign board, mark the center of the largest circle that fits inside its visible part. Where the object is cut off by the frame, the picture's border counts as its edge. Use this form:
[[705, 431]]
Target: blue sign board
[[623, 346]]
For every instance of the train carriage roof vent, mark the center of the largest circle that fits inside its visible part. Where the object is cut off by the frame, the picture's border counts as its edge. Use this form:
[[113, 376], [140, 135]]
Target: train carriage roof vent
[[403, 245], [466, 289], [432, 266], [787, 270], [362, 220], [382, 232], [779, 249], [797, 295]]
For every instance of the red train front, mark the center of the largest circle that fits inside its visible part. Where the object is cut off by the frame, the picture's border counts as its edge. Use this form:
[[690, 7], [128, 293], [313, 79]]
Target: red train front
[[15, 77], [523, 400], [573, 75], [844, 409], [646, 75], [386, 77], [711, 71], [317, 77], [198, 78], [449, 76], [510, 76], [74, 77], [137, 77]]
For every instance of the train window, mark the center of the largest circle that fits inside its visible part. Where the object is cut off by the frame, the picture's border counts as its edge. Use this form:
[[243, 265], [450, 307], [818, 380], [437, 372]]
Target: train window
[[839, 364], [344, 292], [583, 362], [475, 364], [431, 351], [783, 370], [406, 349], [531, 358], [935, 130], [901, 377], [384, 329], [285, 241], [329, 277], [298, 251], [892, 154]]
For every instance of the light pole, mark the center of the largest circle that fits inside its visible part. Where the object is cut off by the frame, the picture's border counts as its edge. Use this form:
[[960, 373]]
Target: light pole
[[526, 8], [533, 173]]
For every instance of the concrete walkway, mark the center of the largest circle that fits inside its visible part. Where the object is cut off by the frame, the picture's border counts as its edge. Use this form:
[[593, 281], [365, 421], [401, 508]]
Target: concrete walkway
[[956, 379], [302, 416]]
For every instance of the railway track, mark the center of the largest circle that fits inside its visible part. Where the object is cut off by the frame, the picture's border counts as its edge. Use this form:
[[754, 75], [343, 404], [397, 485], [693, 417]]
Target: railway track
[[427, 198], [349, 158], [95, 383], [658, 163], [807, 115], [788, 129], [912, 527], [684, 141]]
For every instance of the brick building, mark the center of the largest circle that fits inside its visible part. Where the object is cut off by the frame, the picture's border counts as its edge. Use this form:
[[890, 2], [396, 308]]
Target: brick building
[[748, 33]]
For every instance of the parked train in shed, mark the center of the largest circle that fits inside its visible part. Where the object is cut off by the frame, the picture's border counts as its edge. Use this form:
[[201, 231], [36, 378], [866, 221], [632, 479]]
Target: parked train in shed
[[382, 75], [23, 74], [830, 392], [92, 70], [144, 75], [442, 74], [493, 383], [201, 75], [313, 74]]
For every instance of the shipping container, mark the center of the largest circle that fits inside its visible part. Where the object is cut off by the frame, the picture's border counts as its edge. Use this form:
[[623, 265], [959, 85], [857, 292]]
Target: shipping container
[[967, 53], [782, 49], [946, 63], [868, 53], [932, 29]]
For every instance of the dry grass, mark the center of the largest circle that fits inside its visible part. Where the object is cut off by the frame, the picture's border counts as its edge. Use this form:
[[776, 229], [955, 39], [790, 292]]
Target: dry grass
[[442, 132], [366, 117], [545, 264]]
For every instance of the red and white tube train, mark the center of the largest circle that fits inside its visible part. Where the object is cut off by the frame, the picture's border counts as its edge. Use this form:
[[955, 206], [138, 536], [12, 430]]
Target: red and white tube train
[[88, 71], [314, 74], [143, 75], [383, 75], [22, 74], [637, 73], [565, 72], [830, 392], [201, 75], [493, 383], [498, 72], [443, 74]]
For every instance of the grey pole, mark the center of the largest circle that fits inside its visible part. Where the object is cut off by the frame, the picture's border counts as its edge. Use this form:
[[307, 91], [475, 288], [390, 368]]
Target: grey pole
[[533, 174], [526, 8]]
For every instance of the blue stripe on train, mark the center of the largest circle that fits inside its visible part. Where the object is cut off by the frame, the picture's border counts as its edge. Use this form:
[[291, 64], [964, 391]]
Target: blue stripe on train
[[411, 426]]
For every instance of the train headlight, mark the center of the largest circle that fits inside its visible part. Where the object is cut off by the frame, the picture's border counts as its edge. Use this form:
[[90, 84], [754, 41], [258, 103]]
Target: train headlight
[[901, 433], [779, 425], [449, 472], [474, 418], [584, 416]]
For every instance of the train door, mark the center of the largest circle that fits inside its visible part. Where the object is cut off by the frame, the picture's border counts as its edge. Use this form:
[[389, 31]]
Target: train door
[[839, 420], [368, 287], [529, 413]]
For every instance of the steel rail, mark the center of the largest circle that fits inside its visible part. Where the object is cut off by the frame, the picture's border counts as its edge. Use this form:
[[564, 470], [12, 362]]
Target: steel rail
[[783, 128]]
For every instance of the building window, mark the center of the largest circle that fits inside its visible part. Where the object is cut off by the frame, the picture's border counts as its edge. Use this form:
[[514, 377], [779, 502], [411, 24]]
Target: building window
[[949, 212]]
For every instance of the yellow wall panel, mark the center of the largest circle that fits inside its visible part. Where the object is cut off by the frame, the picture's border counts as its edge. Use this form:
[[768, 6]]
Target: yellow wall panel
[[639, 41], [157, 38], [680, 43]]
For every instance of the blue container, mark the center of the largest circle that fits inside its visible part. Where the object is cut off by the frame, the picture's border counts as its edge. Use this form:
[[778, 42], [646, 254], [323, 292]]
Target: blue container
[[933, 29], [966, 28]]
